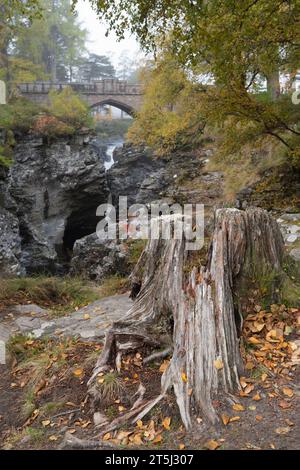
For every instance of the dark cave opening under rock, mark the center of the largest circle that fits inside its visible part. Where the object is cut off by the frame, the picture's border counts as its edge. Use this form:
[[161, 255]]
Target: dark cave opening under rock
[[79, 224]]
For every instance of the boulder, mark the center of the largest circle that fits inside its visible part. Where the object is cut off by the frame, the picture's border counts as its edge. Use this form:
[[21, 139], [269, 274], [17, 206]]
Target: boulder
[[96, 259]]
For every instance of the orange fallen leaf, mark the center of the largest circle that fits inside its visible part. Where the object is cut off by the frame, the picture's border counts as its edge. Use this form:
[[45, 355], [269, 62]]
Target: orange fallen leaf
[[256, 397], [234, 418], [225, 419], [212, 445], [164, 366], [107, 436], [78, 372], [258, 418], [288, 392], [181, 446], [157, 439], [166, 423], [284, 404]]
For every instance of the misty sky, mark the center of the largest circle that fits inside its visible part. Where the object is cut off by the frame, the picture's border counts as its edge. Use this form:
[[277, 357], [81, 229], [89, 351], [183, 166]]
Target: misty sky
[[99, 43]]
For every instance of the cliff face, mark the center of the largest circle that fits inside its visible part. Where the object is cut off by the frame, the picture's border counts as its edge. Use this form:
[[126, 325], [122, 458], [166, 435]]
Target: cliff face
[[53, 190], [50, 195]]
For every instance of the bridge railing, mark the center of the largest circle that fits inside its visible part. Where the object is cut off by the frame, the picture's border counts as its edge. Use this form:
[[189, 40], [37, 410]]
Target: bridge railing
[[106, 86]]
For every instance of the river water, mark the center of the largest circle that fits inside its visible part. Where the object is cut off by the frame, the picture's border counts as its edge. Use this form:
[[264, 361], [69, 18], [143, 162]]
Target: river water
[[111, 146]]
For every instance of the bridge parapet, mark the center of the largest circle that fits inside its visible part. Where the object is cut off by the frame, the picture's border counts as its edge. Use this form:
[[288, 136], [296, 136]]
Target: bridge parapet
[[102, 87]]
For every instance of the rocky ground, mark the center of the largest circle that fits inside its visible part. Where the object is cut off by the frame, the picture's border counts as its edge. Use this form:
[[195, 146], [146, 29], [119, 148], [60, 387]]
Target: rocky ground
[[43, 387]]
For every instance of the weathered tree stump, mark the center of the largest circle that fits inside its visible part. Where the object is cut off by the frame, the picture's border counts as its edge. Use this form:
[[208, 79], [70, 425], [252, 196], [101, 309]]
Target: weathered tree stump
[[198, 308]]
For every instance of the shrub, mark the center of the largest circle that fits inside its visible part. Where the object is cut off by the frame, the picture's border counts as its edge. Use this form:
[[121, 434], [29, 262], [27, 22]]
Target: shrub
[[67, 107], [18, 115], [50, 126]]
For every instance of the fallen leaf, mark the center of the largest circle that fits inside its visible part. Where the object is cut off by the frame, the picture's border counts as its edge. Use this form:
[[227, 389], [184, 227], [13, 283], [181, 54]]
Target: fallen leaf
[[101, 381], [139, 423], [164, 366], [53, 438], [121, 408], [218, 363], [78, 372], [284, 404], [166, 423], [234, 418], [258, 418], [157, 439], [212, 445], [288, 392], [225, 419], [238, 407], [282, 430], [184, 377], [264, 377], [107, 436], [46, 422], [86, 316], [252, 408], [181, 446], [256, 397]]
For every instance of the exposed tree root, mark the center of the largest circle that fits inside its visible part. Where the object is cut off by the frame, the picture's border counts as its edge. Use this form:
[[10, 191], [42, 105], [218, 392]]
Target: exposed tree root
[[199, 309]]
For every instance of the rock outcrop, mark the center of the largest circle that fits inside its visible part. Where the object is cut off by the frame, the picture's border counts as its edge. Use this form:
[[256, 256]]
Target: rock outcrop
[[97, 259], [10, 245], [55, 189]]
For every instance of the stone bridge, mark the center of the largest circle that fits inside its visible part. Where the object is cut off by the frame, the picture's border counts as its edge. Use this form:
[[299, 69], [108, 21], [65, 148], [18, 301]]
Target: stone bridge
[[114, 92]]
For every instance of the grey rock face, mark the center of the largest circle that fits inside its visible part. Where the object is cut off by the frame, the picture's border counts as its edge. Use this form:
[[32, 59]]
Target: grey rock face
[[57, 188], [10, 245], [97, 259]]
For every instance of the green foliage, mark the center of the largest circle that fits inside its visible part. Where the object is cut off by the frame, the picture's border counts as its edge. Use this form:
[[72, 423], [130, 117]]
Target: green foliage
[[171, 114], [18, 115], [67, 107]]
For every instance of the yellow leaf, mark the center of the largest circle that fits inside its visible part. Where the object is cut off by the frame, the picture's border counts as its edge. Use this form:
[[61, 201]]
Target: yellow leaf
[[253, 340], [225, 419], [184, 377], [181, 446], [288, 392], [234, 418], [46, 422], [107, 436], [78, 372], [264, 377], [139, 423], [86, 316], [100, 381], [121, 408], [212, 445], [238, 407], [166, 423], [218, 363], [53, 438]]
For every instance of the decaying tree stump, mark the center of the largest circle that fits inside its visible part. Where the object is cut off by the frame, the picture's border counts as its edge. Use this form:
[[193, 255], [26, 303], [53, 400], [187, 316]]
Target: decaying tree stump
[[198, 307]]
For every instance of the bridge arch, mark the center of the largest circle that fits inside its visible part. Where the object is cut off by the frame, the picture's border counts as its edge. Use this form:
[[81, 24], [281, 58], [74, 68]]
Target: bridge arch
[[116, 104]]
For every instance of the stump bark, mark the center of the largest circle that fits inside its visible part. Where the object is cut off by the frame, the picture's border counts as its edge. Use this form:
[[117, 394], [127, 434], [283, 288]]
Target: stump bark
[[197, 309]]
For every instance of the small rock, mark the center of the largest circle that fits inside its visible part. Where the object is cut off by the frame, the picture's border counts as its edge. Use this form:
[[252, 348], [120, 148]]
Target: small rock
[[99, 418], [295, 253]]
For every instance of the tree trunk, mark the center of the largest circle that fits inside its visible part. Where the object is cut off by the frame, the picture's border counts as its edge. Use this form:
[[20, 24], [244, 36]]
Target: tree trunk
[[195, 308], [273, 85]]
